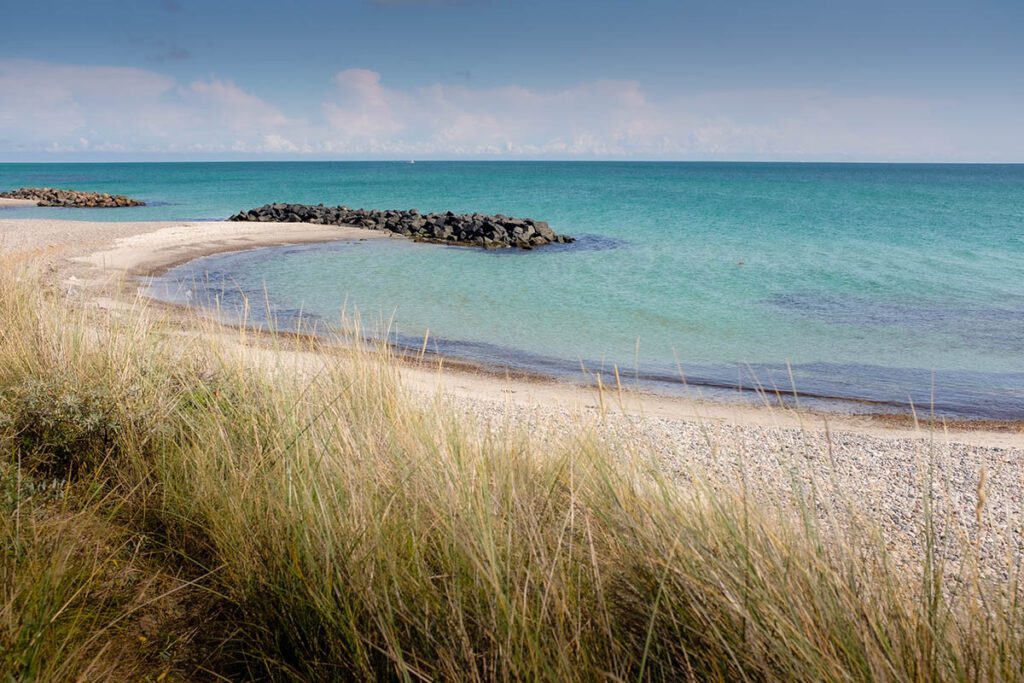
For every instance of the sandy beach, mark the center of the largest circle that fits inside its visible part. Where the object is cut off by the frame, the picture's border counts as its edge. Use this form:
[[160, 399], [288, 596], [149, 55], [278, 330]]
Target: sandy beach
[[101, 256], [9, 203], [881, 463], [675, 341]]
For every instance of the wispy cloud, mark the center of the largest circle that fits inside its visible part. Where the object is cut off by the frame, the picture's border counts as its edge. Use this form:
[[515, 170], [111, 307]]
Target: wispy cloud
[[618, 118], [48, 107], [66, 108]]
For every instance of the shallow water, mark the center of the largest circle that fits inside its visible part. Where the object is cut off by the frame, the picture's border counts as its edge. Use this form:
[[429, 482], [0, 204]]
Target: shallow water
[[882, 283]]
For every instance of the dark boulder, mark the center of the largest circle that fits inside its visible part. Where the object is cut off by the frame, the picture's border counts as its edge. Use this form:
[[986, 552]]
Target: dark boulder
[[48, 196], [490, 232]]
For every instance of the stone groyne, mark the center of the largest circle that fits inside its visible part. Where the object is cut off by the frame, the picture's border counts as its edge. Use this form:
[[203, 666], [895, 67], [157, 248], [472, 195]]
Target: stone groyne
[[48, 196], [478, 230]]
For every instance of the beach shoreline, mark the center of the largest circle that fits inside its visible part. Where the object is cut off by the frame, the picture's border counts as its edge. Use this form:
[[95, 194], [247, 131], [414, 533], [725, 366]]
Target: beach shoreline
[[102, 257], [6, 202], [153, 253], [881, 461]]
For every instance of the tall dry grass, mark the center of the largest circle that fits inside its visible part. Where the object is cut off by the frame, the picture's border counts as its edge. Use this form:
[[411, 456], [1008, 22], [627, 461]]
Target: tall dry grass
[[327, 523]]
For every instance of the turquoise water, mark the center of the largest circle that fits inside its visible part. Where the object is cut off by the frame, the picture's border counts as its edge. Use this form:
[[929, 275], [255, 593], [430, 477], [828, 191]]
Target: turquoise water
[[879, 283]]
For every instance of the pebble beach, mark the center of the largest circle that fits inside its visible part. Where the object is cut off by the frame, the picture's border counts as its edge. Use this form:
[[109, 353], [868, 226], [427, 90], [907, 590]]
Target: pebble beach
[[845, 462]]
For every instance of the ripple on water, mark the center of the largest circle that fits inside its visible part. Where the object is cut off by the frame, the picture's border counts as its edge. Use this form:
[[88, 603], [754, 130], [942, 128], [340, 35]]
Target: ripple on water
[[985, 326], [583, 243]]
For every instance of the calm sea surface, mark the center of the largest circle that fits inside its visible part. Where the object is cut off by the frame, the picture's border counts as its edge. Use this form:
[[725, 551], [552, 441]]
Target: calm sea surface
[[884, 284]]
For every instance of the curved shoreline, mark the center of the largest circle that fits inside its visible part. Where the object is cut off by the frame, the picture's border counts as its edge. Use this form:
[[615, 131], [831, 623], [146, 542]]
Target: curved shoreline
[[498, 360], [153, 253], [99, 255], [495, 359], [6, 202]]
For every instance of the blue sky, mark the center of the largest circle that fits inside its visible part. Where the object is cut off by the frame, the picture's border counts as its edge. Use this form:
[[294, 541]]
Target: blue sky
[[589, 79]]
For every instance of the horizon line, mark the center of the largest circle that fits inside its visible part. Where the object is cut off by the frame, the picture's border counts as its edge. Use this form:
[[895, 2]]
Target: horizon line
[[403, 160]]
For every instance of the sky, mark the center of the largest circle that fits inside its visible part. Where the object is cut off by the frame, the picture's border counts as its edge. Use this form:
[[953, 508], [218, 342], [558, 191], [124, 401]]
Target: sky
[[900, 80]]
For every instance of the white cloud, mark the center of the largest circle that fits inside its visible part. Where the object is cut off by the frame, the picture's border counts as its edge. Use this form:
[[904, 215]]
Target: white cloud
[[235, 109], [605, 117], [68, 108], [363, 111], [57, 101], [618, 119], [92, 109]]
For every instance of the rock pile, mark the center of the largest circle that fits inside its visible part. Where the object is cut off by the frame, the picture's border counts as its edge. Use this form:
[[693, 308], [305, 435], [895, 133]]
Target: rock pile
[[48, 196], [489, 232]]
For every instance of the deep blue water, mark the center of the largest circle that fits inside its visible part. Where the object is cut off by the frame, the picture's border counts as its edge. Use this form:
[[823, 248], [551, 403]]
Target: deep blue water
[[880, 283]]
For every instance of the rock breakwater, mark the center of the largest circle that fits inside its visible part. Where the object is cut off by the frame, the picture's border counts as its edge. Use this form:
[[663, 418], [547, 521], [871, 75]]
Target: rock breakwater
[[478, 230], [48, 196]]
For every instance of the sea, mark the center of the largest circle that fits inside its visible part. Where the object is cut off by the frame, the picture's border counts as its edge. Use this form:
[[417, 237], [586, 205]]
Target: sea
[[860, 287]]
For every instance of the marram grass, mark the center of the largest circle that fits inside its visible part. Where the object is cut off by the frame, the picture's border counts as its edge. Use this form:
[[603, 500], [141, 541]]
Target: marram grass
[[189, 504]]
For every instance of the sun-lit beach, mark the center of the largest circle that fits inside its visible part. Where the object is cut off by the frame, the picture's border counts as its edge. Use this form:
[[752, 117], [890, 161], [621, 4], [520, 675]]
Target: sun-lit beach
[[108, 260], [908, 483], [903, 480], [448, 340]]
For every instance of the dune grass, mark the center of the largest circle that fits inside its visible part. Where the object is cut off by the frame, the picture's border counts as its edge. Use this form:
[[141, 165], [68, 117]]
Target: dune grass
[[187, 505]]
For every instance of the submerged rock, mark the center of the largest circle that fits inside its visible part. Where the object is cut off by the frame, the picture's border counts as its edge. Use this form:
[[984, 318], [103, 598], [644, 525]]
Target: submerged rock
[[48, 196], [488, 232]]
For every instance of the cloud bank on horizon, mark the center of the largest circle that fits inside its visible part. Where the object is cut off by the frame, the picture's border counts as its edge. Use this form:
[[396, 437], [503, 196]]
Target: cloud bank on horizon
[[68, 109], [167, 106]]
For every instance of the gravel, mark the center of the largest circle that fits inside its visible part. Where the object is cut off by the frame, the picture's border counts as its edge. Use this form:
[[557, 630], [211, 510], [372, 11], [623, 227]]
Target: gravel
[[871, 482]]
